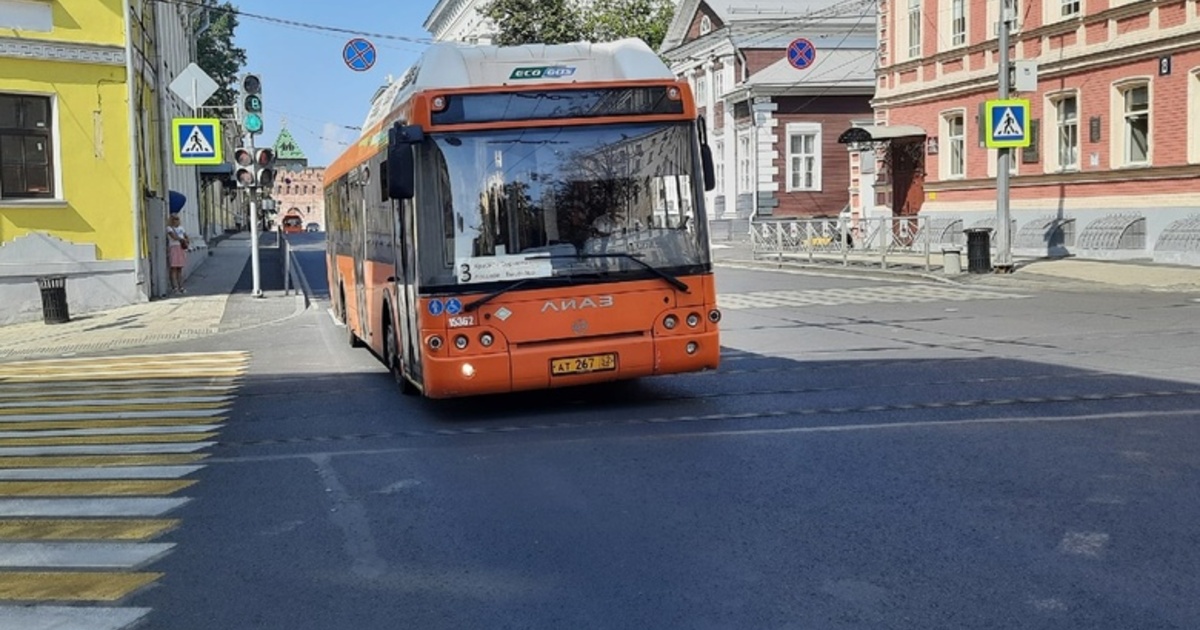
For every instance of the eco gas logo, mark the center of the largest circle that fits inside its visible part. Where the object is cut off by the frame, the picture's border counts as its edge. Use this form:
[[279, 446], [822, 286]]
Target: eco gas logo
[[542, 72]]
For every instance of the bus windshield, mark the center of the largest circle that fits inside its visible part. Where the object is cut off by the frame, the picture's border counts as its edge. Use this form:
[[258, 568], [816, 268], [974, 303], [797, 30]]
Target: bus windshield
[[578, 201]]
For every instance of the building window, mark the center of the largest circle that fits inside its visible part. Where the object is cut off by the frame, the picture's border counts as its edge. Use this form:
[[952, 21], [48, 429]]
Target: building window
[[745, 163], [1069, 7], [1137, 125], [26, 147], [803, 156], [702, 90], [1066, 112], [914, 28], [958, 22], [1194, 117], [705, 25], [955, 153], [718, 84]]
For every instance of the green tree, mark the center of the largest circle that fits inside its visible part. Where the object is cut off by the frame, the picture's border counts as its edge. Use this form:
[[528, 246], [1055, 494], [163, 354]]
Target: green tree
[[534, 21], [648, 20], [217, 55]]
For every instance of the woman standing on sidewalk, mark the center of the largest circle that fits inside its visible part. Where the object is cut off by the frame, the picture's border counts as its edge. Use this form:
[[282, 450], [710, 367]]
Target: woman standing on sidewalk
[[177, 247]]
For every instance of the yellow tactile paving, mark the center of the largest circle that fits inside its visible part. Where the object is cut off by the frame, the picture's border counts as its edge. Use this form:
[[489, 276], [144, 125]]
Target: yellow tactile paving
[[84, 529], [94, 488], [94, 461], [64, 586], [79, 440]]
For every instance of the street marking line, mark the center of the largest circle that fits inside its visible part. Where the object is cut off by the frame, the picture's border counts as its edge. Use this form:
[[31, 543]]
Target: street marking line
[[114, 472], [94, 488], [71, 617], [25, 410], [144, 385], [71, 586], [141, 438], [86, 431], [91, 401], [126, 375], [107, 556], [85, 529], [213, 356], [89, 508], [100, 461], [114, 415], [56, 425], [106, 449]]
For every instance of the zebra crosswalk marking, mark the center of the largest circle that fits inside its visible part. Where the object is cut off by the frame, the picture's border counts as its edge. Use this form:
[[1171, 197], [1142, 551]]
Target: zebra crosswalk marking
[[94, 454], [893, 294]]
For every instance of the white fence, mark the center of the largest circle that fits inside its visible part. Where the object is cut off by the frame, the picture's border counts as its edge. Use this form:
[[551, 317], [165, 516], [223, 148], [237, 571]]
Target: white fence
[[885, 241]]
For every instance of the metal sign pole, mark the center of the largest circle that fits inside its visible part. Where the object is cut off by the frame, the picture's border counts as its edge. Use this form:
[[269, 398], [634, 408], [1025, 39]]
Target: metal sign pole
[[254, 264], [1003, 223]]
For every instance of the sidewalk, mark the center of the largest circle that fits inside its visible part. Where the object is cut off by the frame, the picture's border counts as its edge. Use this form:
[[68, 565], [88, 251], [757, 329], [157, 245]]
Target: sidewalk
[[218, 300], [1061, 273]]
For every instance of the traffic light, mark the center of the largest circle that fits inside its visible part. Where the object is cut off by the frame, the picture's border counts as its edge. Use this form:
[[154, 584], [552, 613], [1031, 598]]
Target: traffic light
[[264, 162], [244, 172], [252, 105]]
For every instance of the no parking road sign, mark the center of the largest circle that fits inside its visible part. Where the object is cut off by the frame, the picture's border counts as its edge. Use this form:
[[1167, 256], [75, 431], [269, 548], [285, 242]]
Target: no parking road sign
[[801, 53], [359, 54], [196, 140]]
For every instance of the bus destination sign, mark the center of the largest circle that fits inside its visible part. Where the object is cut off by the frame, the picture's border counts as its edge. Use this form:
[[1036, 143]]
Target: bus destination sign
[[542, 72]]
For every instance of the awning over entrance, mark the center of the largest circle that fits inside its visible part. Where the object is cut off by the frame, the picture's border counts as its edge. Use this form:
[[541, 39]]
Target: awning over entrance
[[880, 133]]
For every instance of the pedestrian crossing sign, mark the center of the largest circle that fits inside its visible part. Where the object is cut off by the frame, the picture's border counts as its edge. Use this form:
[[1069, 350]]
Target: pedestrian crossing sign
[[196, 140], [1007, 124]]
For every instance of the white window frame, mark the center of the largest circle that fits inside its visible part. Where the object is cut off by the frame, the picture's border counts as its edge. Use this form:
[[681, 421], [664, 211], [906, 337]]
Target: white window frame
[[1069, 8], [914, 29], [718, 84], [949, 140], [801, 129], [958, 23], [1061, 129], [705, 25], [1122, 136], [56, 166], [1193, 105], [702, 89], [745, 161]]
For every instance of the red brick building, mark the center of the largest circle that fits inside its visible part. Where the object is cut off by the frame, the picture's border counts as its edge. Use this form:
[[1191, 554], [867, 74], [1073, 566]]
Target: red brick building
[[298, 186], [774, 127], [1114, 120]]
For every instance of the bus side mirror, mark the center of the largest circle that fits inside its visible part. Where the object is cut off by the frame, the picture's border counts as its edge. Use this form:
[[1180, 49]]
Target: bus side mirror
[[710, 171], [401, 169]]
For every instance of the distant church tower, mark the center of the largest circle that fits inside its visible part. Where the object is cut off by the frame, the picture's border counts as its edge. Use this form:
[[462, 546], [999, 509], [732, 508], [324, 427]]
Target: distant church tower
[[288, 156]]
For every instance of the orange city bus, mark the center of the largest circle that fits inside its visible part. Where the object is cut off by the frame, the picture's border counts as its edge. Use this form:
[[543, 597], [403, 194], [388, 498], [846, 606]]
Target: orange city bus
[[292, 222], [526, 217]]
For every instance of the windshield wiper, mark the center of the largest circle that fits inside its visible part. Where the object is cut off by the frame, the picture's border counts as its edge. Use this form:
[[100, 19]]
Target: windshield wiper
[[470, 306], [672, 280]]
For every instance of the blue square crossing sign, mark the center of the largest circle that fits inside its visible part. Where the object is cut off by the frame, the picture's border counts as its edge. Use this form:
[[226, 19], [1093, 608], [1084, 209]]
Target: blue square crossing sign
[[1007, 124], [196, 140]]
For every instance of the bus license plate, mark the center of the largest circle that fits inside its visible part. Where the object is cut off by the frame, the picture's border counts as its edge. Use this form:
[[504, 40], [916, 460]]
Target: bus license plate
[[583, 365]]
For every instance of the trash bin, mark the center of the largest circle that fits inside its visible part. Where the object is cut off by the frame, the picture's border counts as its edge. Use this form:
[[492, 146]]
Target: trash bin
[[54, 299], [979, 250], [951, 261]]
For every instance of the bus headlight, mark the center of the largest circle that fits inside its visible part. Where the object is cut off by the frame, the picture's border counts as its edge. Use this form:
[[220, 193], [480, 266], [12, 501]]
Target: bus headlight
[[692, 347], [468, 370], [693, 319], [435, 342], [670, 322], [461, 342], [714, 316], [486, 340]]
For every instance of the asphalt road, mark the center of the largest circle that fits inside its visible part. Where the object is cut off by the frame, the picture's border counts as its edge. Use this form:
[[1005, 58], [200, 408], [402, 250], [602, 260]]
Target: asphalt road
[[871, 454]]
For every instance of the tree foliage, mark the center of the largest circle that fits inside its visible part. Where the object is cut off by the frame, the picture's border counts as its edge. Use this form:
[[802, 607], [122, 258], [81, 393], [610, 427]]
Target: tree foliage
[[534, 21], [648, 20], [563, 21], [218, 56]]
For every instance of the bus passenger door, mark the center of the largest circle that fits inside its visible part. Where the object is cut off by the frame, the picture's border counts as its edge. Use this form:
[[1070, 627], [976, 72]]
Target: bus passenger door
[[360, 263], [406, 288]]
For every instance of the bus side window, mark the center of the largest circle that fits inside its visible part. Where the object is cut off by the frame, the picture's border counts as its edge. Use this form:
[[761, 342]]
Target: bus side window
[[383, 181]]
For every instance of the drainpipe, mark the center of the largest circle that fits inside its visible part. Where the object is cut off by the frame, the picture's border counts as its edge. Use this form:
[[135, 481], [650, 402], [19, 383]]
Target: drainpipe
[[134, 172]]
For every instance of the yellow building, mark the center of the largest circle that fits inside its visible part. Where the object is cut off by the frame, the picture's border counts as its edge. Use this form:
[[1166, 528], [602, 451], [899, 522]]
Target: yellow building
[[82, 188]]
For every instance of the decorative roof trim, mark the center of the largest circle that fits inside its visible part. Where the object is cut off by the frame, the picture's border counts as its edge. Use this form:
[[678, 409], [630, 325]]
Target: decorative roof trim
[[44, 50]]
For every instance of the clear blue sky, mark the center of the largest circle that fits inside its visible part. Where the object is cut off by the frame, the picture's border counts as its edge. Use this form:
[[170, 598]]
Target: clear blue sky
[[305, 79]]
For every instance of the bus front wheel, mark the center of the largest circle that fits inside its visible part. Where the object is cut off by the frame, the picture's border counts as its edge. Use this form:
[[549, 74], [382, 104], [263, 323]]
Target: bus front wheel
[[392, 357]]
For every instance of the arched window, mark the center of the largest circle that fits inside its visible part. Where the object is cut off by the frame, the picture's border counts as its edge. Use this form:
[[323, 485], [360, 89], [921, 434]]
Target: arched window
[[705, 25]]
